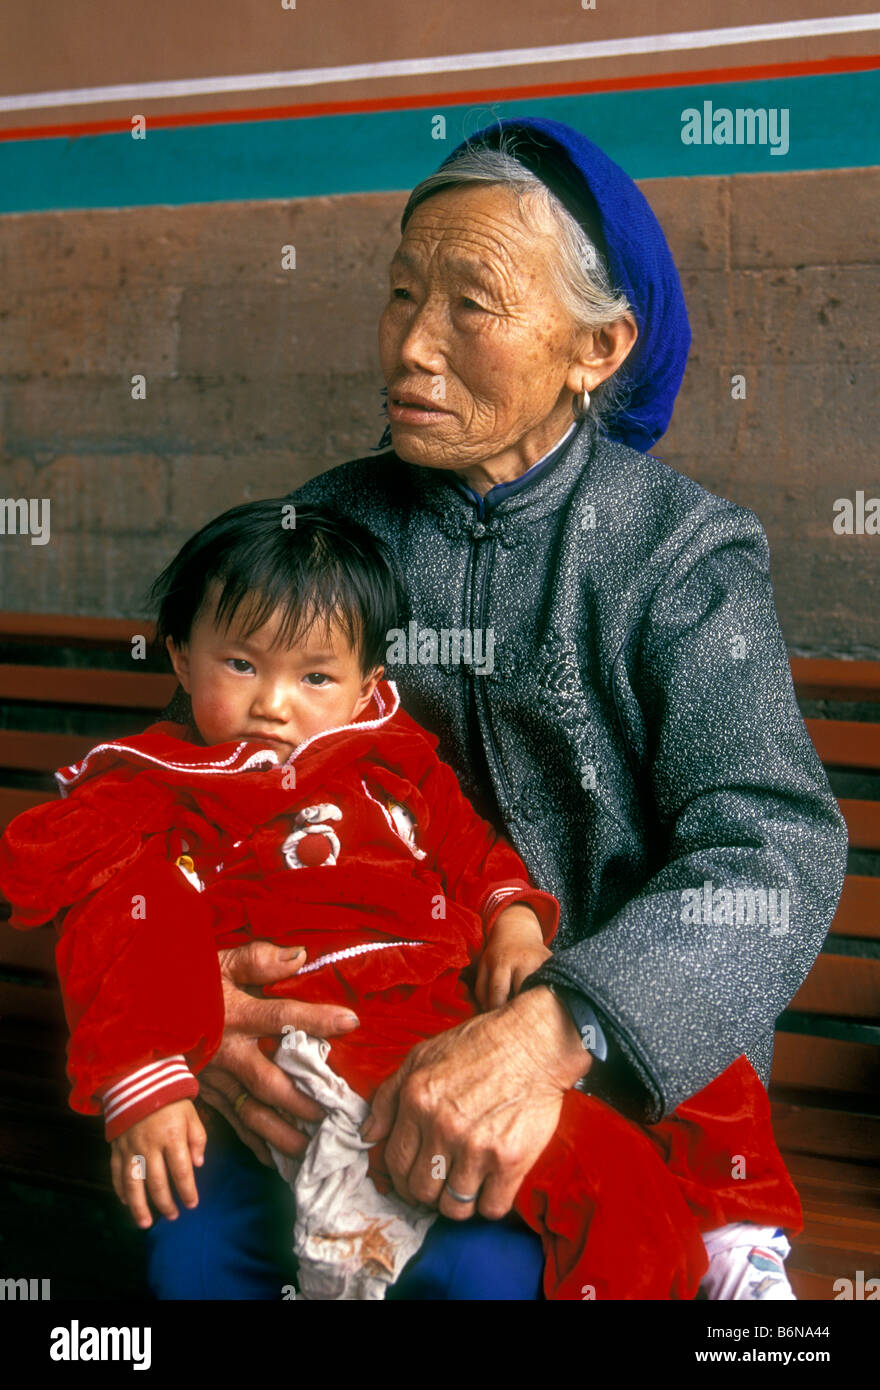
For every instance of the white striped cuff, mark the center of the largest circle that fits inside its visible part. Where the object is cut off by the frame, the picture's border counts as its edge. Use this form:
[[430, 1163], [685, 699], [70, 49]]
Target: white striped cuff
[[133, 1089], [498, 895]]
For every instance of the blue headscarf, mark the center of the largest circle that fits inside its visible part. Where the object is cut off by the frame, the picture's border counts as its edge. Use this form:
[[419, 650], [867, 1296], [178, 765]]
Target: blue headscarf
[[618, 219]]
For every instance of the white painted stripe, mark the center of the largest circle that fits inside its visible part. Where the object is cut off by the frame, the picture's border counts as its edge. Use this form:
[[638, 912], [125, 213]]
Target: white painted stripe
[[680, 41]]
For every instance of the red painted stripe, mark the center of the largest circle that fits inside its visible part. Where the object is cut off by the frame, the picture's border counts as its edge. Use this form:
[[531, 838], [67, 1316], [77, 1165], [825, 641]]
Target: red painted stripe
[[645, 81]]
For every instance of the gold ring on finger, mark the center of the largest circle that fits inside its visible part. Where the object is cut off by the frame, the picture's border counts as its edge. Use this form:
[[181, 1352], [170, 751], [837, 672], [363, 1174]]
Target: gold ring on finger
[[239, 1101]]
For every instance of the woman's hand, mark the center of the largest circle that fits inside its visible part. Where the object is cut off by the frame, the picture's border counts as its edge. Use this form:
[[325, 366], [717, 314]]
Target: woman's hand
[[472, 1109], [257, 1098]]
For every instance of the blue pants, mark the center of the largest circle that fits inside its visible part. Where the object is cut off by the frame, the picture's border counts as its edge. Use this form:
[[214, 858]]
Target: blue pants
[[236, 1244]]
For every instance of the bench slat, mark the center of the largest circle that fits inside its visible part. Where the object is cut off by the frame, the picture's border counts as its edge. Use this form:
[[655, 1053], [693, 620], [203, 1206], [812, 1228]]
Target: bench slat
[[845, 986], [846, 742], [821, 678], [64, 630], [825, 1208], [858, 912], [827, 1064], [852, 1182], [144, 690], [863, 823], [827, 1261], [53, 1148], [31, 1003], [33, 752], [843, 1228], [835, 1252], [824, 1133], [809, 1287], [811, 1025], [28, 950], [14, 800]]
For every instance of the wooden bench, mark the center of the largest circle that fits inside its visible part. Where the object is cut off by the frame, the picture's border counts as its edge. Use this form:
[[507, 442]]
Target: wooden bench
[[67, 682], [825, 1085]]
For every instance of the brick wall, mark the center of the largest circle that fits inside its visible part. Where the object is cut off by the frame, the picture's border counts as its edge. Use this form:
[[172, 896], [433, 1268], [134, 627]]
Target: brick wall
[[257, 377]]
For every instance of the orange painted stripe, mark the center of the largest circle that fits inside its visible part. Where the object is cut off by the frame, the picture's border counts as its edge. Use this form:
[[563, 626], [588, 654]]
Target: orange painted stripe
[[645, 81]]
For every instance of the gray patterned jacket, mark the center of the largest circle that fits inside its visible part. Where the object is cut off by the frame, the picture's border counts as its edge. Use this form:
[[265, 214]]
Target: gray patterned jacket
[[633, 731]]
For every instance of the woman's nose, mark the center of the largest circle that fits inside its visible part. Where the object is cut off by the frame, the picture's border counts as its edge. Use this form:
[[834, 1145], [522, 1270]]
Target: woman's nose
[[423, 342]]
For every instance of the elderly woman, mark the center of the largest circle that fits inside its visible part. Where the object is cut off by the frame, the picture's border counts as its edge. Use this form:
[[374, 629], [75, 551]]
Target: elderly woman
[[624, 714]]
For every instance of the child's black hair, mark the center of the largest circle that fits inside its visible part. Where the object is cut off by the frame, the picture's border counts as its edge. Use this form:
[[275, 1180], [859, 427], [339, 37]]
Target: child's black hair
[[308, 561]]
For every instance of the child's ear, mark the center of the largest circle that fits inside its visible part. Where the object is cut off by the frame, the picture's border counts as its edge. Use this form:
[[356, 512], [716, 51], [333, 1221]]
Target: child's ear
[[179, 660], [368, 687]]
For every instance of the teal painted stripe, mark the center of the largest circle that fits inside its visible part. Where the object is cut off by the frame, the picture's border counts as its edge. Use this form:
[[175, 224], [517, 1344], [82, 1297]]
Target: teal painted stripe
[[833, 123]]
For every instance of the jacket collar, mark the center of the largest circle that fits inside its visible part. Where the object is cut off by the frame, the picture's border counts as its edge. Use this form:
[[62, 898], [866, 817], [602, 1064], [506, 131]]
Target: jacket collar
[[456, 512], [487, 502], [170, 750]]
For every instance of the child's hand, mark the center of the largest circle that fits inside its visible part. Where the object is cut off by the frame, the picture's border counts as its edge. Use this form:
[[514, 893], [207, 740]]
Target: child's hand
[[514, 950], [165, 1144]]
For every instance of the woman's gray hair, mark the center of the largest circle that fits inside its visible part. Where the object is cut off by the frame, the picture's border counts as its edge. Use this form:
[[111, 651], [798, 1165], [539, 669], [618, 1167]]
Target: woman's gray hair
[[580, 275]]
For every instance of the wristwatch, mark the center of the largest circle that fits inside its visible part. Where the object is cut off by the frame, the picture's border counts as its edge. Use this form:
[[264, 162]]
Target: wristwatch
[[583, 1017]]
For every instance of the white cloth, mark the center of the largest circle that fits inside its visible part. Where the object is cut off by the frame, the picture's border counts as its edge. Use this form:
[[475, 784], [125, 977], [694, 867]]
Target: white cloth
[[350, 1241], [747, 1262]]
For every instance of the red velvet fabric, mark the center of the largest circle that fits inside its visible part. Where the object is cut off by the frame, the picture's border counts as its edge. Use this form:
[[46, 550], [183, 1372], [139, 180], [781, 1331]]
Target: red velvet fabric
[[620, 1208]]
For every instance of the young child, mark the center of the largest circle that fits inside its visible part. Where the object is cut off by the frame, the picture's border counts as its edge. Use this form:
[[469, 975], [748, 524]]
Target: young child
[[304, 806]]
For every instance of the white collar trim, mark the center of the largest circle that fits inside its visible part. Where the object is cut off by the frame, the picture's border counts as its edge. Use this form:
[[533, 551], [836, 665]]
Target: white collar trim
[[225, 766]]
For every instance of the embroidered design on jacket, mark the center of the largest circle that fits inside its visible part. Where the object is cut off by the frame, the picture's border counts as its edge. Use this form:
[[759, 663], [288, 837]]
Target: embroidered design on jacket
[[312, 841]]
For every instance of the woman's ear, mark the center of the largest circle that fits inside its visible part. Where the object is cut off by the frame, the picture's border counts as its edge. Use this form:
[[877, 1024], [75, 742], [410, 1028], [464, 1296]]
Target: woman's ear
[[179, 660], [600, 354]]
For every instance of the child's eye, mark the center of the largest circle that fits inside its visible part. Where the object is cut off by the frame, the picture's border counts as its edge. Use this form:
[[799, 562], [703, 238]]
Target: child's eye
[[398, 292], [239, 664], [317, 675]]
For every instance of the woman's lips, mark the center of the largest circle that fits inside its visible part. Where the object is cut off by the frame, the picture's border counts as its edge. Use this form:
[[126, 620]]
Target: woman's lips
[[409, 410]]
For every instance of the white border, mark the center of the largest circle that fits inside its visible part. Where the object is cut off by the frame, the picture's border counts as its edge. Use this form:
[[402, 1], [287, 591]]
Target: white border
[[679, 41]]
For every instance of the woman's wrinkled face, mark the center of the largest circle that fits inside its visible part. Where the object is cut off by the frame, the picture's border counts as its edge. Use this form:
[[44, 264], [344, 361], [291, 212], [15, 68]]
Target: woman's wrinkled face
[[478, 355]]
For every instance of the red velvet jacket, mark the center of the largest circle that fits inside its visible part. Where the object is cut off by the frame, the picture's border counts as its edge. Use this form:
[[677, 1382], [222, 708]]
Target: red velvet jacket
[[360, 847]]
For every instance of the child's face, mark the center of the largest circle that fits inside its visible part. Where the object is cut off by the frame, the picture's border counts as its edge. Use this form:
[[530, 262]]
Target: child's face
[[246, 688]]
